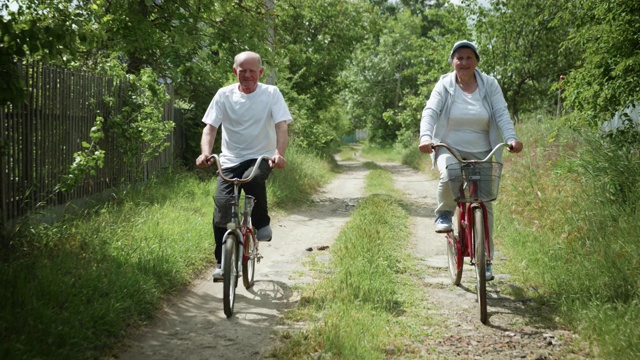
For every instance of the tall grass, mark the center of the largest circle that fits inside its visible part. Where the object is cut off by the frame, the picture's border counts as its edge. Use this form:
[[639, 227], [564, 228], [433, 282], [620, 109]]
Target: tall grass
[[568, 216], [366, 306], [73, 288], [305, 172]]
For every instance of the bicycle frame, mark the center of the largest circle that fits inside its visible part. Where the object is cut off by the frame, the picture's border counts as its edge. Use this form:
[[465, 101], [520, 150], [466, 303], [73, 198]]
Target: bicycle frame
[[466, 208], [466, 240], [244, 246]]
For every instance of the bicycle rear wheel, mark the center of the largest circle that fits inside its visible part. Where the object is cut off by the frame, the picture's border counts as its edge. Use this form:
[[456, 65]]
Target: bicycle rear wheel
[[480, 262], [230, 269], [454, 251], [249, 260]]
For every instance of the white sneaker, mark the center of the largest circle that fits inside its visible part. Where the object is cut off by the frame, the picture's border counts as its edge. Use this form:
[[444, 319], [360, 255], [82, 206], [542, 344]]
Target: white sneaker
[[218, 275], [443, 222]]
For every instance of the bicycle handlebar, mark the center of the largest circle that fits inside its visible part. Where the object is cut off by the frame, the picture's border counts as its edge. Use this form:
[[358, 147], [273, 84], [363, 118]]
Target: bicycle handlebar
[[435, 146], [238, 180]]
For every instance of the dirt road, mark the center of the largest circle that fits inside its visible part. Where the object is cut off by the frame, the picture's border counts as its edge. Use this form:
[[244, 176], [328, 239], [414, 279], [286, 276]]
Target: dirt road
[[195, 327]]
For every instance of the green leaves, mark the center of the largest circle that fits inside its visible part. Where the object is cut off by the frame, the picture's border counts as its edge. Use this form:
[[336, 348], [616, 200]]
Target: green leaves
[[85, 161], [607, 33]]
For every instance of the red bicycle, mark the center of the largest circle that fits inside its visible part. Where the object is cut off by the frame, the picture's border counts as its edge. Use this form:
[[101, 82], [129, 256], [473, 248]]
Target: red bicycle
[[473, 183]]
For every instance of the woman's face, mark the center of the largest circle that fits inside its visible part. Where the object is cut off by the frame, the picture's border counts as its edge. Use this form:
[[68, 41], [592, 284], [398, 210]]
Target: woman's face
[[464, 62]]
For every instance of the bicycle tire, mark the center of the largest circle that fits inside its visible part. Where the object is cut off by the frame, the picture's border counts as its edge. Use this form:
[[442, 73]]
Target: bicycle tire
[[249, 260], [480, 262], [455, 256], [230, 269]]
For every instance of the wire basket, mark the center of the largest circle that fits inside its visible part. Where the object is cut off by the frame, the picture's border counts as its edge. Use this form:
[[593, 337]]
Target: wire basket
[[474, 182]]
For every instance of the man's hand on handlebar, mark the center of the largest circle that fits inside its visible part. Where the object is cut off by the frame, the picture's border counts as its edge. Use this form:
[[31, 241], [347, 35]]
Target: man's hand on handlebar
[[278, 162], [204, 161]]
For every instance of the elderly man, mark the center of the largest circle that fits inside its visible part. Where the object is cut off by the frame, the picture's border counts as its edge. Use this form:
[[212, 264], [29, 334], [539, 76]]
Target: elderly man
[[254, 119]]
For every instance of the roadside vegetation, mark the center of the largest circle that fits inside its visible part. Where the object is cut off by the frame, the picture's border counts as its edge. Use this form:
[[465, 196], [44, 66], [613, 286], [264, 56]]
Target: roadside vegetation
[[567, 216], [71, 289], [366, 304]]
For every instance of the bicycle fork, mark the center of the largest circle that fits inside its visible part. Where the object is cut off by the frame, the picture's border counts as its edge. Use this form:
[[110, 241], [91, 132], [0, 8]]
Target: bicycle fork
[[467, 229]]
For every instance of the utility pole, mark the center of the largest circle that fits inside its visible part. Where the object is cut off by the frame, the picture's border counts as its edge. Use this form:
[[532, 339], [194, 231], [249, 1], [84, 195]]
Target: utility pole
[[271, 41]]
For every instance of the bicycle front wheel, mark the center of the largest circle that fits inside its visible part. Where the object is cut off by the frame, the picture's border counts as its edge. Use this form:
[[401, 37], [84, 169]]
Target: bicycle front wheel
[[230, 269], [480, 262], [249, 259]]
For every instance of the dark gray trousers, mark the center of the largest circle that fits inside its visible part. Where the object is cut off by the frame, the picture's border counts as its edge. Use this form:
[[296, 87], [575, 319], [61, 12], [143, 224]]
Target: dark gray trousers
[[224, 192]]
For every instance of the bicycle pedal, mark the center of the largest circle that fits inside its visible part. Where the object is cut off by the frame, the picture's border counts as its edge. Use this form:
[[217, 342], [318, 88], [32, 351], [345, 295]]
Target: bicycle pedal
[[258, 258]]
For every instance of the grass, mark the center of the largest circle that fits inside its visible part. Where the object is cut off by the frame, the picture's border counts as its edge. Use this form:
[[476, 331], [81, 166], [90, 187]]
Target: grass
[[368, 306], [568, 220], [72, 289]]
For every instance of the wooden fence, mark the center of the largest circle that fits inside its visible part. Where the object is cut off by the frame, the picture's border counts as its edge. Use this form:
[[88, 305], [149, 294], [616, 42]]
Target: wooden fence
[[40, 137]]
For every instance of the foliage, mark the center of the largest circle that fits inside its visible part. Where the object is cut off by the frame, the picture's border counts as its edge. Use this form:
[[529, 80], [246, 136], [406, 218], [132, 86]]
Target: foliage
[[521, 44], [607, 80], [392, 73], [310, 54], [40, 30], [139, 128], [576, 216], [85, 161]]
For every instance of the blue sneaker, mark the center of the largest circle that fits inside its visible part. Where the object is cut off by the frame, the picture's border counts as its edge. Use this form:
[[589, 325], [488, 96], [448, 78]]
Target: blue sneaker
[[489, 273], [443, 222]]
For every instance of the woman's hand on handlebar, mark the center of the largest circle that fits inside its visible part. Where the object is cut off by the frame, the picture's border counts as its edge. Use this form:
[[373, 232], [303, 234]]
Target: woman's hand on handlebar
[[515, 146], [426, 147], [204, 161]]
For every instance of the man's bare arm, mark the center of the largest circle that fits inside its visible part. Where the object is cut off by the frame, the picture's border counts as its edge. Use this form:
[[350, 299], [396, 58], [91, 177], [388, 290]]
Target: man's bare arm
[[206, 145], [282, 141]]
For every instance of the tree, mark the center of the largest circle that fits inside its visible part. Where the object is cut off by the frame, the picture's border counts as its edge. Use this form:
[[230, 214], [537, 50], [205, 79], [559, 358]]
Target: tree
[[520, 43], [608, 33], [314, 41], [47, 30], [393, 72]]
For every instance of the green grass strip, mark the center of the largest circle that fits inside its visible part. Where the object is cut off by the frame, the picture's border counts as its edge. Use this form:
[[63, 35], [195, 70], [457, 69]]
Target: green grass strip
[[368, 306]]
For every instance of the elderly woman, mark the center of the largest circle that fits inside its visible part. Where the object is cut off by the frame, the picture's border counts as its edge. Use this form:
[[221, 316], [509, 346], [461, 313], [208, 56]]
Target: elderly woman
[[467, 111]]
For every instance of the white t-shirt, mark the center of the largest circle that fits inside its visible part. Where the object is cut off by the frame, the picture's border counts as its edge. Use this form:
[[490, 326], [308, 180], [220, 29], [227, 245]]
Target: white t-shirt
[[468, 127], [248, 121]]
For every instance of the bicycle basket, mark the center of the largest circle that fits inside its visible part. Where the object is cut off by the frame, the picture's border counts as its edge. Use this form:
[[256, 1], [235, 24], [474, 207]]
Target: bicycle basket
[[474, 182]]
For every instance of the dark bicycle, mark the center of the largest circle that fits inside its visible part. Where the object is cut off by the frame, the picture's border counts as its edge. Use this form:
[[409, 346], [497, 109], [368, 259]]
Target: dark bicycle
[[240, 247]]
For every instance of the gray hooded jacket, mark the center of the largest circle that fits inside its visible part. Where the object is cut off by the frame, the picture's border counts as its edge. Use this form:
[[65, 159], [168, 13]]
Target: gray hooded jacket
[[435, 115]]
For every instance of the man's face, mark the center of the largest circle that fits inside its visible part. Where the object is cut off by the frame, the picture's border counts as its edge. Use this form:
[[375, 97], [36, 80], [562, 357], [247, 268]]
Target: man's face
[[248, 72]]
